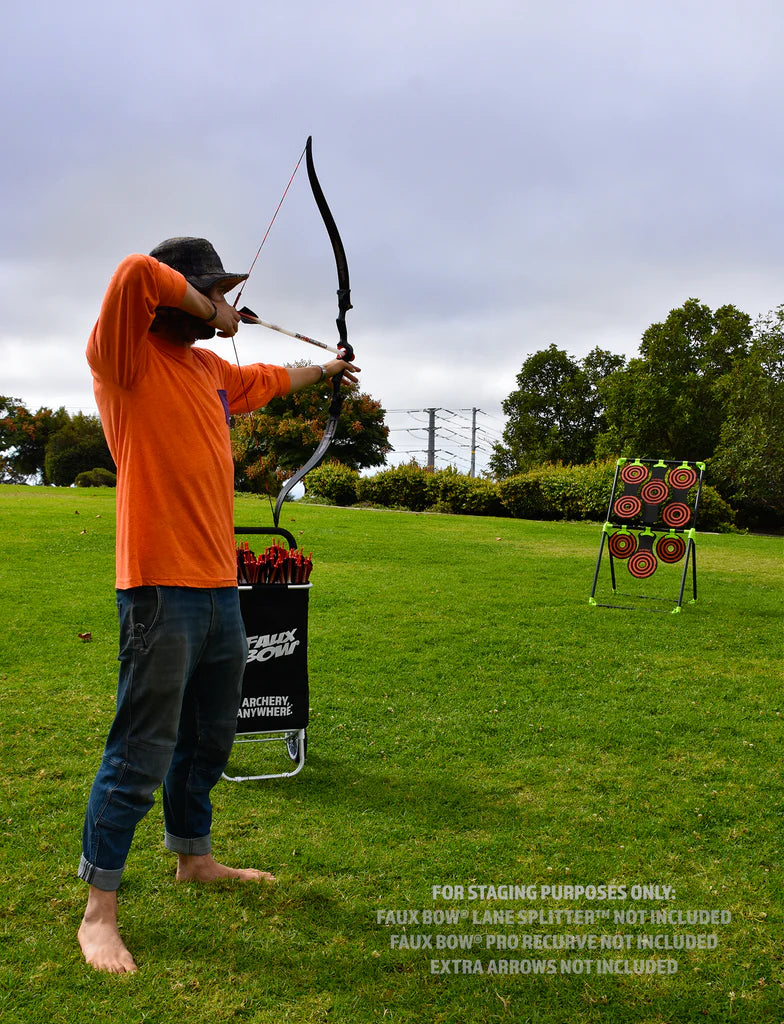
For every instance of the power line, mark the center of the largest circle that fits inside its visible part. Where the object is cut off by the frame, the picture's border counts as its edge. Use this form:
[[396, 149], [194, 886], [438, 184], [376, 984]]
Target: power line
[[466, 438]]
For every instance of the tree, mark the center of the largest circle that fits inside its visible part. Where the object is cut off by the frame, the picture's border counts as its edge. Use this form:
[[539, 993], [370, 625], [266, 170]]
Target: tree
[[748, 465], [667, 402], [75, 448], [273, 443], [23, 439], [556, 412]]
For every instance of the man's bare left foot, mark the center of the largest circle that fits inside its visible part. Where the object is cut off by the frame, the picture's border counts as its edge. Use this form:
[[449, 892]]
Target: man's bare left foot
[[204, 868]]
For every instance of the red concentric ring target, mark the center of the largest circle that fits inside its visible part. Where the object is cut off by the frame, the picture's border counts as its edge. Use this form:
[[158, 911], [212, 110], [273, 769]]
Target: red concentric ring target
[[654, 492], [634, 473], [622, 545], [676, 514], [671, 549], [682, 478], [627, 506], [642, 564]]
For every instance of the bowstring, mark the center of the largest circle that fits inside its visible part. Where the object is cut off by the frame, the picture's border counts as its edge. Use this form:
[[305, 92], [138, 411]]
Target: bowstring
[[269, 228], [239, 296]]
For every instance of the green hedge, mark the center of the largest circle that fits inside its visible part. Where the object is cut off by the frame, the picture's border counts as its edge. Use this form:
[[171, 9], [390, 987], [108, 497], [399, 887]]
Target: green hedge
[[98, 477], [334, 483], [714, 515], [450, 491], [559, 492], [409, 486], [544, 492], [406, 486]]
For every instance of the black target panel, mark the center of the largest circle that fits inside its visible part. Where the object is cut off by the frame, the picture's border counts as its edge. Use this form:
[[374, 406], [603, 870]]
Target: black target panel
[[635, 473], [642, 564], [683, 478], [654, 495], [622, 544], [654, 492], [677, 514], [628, 506], [670, 548]]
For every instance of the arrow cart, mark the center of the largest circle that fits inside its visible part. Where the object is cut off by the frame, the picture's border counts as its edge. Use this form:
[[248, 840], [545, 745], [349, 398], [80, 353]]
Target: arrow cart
[[274, 705]]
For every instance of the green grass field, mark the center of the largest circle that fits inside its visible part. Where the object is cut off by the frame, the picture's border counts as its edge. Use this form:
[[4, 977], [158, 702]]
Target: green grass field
[[474, 723]]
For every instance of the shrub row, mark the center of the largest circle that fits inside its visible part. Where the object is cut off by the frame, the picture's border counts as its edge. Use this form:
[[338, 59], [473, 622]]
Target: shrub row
[[544, 492], [98, 477], [559, 492], [408, 486]]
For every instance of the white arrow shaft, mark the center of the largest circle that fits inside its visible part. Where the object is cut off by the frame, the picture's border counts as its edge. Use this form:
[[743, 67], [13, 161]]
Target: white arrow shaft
[[290, 334]]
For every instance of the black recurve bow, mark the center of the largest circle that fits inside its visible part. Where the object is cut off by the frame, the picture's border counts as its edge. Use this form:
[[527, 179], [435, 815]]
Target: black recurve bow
[[345, 350]]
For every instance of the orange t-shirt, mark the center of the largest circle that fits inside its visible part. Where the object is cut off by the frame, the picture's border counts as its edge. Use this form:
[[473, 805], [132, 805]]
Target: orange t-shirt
[[165, 413]]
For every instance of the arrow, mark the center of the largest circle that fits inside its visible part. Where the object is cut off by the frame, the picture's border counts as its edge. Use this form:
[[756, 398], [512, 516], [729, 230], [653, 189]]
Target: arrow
[[249, 317]]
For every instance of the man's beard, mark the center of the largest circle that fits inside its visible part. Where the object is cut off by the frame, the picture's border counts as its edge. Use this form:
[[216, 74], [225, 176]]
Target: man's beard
[[179, 327]]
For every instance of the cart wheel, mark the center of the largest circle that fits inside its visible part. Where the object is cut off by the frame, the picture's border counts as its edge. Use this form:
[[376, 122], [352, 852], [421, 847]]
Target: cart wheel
[[292, 745]]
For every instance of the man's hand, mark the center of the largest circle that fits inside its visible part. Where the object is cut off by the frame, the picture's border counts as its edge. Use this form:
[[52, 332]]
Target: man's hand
[[336, 366], [307, 376], [223, 318], [228, 319]]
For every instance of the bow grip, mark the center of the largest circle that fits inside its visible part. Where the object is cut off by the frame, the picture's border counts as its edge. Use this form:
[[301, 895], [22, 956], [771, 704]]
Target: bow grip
[[345, 352]]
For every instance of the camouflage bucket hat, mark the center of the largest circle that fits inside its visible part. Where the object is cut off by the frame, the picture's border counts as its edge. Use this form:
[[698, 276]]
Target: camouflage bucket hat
[[197, 261]]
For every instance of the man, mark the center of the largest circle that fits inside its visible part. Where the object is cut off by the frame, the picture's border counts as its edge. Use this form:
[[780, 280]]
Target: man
[[165, 408]]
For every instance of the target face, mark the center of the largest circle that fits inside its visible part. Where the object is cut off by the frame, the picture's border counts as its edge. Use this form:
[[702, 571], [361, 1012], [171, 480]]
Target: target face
[[676, 514], [682, 478], [642, 564], [622, 544], [671, 549], [634, 473], [654, 492], [627, 506]]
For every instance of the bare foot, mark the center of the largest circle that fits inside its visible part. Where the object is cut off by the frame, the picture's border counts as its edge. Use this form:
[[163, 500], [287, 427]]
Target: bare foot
[[99, 937], [205, 868]]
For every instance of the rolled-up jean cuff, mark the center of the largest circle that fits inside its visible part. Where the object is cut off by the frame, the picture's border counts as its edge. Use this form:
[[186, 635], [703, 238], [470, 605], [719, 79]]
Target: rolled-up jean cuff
[[101, 878], [197, 847]]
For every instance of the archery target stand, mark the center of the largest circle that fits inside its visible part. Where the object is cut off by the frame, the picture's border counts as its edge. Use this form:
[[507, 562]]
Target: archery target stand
[[651, 519]]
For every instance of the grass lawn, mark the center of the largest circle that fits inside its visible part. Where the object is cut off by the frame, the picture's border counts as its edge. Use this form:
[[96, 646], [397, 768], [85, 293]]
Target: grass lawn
[[475, 723]]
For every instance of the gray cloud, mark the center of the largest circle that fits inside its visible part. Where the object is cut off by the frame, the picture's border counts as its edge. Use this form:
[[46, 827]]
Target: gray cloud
[[504, 175]]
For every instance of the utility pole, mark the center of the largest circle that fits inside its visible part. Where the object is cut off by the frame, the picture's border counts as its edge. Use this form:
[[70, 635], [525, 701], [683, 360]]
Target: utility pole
[[431, 439], [472, 471]]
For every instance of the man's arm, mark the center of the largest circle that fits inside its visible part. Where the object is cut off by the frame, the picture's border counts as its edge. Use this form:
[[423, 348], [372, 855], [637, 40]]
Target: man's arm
[[117, 346], [306, 376]]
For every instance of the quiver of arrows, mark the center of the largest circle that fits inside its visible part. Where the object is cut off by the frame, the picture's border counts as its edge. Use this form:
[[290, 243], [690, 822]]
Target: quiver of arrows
[[275, 565]]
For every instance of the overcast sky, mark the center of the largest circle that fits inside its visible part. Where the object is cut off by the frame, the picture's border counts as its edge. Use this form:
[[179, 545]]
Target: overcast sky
[[505, 174]]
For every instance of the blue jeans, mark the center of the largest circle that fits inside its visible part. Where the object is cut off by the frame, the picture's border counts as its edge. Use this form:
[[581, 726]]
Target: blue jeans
[[182, 657]]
